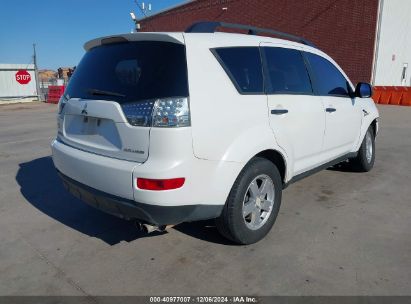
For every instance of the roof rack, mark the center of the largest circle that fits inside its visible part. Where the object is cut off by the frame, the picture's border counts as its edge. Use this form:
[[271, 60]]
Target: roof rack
[[211, 26]]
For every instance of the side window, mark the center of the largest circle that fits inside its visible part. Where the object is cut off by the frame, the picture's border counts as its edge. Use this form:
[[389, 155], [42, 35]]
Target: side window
[[286, 71], [243, 66], [328, 79]]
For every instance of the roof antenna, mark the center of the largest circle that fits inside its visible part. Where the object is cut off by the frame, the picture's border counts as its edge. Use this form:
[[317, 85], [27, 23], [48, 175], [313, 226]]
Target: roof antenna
[[137, 25]]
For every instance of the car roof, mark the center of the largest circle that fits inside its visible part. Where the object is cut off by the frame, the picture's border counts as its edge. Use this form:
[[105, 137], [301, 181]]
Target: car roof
[[223, 38], [217, 39]]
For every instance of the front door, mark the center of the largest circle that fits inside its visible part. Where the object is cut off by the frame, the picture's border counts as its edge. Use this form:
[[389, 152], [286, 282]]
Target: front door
[[343, 111]]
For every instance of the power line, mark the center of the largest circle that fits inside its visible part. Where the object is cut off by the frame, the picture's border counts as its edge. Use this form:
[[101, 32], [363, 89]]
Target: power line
[[143, 12], [140, 8]]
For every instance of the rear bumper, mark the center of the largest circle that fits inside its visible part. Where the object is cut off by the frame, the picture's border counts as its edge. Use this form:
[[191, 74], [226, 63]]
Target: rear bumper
[[129, 209], [109, 183], [103, 173]]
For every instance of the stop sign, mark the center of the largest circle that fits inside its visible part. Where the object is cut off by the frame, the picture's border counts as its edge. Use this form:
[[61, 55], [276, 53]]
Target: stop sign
[[23, 77]]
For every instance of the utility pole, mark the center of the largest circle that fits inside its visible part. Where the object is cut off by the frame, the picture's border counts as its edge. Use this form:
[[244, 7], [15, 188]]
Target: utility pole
[[36, 73]]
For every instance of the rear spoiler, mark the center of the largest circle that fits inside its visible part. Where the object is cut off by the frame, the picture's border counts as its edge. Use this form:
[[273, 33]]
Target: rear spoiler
[[166, 37]]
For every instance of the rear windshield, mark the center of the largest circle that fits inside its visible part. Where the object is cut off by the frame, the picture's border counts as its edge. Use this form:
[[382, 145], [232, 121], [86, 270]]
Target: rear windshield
[[132, 71]]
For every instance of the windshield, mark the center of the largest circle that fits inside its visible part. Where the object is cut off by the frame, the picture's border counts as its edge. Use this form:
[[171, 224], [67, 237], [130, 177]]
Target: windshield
[[132, 71]]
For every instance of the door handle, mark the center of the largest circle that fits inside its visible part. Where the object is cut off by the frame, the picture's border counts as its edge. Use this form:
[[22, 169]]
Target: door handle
[[330, 110], [279, 111]]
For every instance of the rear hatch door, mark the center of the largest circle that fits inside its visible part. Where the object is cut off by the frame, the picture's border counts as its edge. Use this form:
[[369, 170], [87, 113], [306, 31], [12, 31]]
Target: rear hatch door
[[99, 126], [110, 98]]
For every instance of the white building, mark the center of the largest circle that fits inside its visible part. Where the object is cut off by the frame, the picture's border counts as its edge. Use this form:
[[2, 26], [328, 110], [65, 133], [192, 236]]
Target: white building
[[392, 61], [11, 88]]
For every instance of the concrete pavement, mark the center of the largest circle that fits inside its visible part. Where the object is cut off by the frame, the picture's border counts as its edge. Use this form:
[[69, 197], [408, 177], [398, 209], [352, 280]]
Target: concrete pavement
[[338, 233]]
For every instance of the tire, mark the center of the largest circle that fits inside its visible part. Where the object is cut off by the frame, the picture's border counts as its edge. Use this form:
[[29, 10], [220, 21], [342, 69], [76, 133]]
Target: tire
[[251, 208], [364, 161]]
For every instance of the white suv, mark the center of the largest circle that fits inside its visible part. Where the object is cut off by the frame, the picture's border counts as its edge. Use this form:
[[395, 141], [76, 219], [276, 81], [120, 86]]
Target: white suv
[[165, 128]]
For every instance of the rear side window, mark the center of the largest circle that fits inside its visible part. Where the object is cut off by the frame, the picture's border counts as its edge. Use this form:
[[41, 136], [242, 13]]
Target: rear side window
[[286, 71], [131, 71], [243, 66], [328, 79]]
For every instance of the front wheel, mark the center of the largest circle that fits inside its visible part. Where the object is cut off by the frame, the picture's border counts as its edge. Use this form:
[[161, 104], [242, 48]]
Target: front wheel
[[253, 203], [364, 161]]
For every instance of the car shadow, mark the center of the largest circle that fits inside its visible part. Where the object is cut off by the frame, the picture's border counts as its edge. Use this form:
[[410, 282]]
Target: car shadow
[[203, 230], [42, 187], [344, 166]]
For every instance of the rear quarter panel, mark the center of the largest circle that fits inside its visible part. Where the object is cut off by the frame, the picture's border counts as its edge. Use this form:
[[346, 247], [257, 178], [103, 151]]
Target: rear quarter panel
[[226, 125]]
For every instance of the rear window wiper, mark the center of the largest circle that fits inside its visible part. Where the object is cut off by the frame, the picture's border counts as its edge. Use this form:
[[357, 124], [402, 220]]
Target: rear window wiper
[[104, 93]]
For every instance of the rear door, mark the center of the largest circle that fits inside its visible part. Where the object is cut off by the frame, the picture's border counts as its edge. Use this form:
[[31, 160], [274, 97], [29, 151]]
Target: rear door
[[297, 116], [343, 112], [110, 98]]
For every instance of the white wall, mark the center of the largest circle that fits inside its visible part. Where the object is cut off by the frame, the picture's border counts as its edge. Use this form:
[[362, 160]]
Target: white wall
[[394, 45], [9, 87]]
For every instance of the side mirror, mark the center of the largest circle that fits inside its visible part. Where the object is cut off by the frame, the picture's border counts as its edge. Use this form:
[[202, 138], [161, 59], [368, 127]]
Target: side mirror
[[363, 90]]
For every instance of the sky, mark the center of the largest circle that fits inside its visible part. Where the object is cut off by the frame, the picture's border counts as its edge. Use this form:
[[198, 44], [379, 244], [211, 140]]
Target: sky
[[61, 27]]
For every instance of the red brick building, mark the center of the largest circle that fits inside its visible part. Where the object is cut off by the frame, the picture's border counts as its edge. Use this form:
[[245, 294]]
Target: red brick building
[[344, 29]]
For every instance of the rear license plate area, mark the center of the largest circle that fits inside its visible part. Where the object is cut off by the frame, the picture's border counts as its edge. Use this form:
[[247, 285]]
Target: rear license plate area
[[90, 125]]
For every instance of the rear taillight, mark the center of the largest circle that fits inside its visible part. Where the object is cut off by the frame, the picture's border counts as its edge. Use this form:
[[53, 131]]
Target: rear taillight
[[62, 104], [171, 112], [139, 113], [166, 112], [160, 184], [60, 113]]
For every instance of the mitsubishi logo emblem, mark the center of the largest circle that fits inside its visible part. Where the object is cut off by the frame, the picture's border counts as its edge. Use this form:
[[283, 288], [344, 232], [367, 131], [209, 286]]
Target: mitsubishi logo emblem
[[84, 111]]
